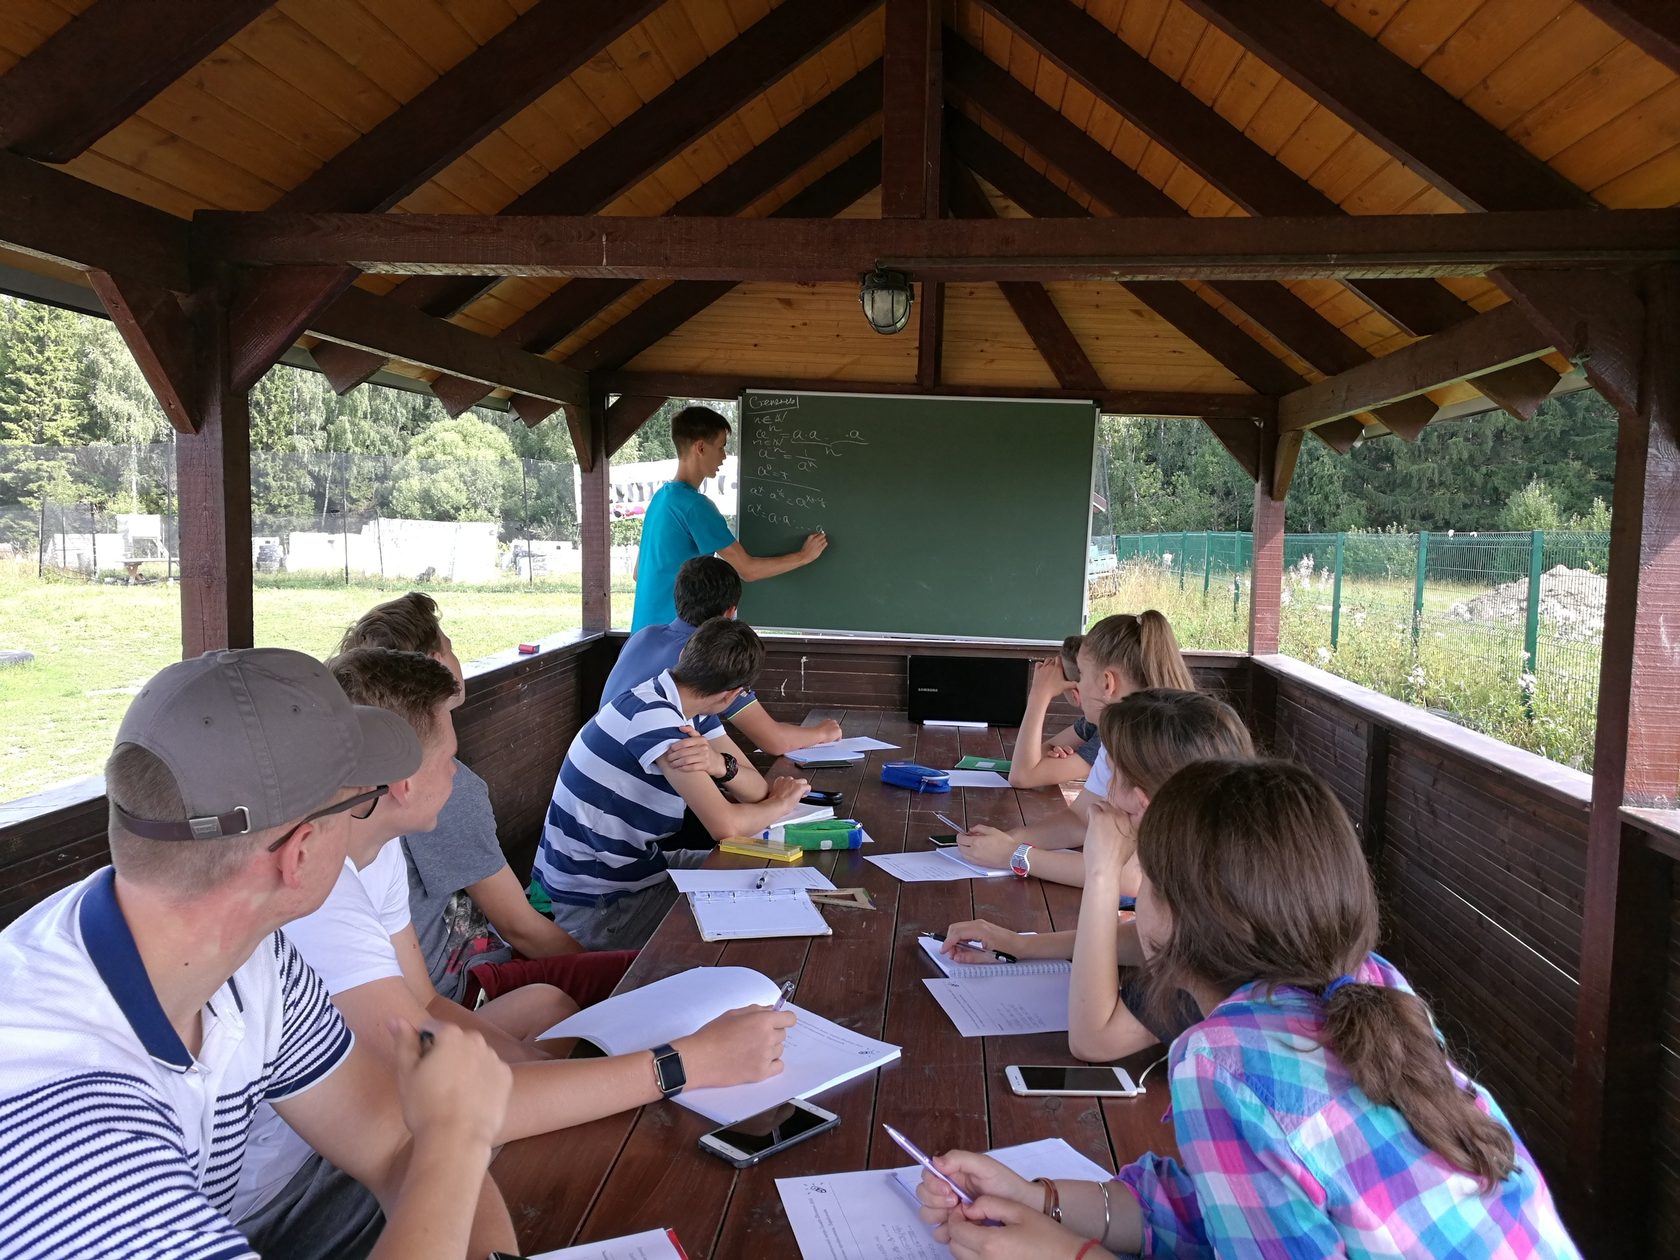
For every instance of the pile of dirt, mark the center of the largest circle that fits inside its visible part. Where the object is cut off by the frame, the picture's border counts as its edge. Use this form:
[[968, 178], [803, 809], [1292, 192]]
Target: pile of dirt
[[1571, 602]]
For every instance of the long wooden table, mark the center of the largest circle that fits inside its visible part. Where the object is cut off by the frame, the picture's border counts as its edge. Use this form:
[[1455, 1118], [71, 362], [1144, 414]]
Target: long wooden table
[[644, 1170]]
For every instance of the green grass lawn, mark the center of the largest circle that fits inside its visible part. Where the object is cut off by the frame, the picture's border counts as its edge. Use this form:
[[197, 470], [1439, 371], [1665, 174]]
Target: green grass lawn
[[95, 645]]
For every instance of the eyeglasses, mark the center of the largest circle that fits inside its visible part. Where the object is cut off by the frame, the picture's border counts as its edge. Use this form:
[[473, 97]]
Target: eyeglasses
[[359, 807]]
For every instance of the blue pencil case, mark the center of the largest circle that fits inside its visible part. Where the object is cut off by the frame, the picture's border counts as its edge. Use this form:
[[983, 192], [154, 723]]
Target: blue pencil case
[[918, 778]]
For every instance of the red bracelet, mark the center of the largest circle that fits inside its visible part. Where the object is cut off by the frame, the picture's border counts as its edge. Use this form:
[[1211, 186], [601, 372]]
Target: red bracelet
[[1089, 1243]]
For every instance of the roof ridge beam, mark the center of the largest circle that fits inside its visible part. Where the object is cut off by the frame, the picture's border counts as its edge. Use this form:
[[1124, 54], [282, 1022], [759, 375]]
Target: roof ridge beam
[[101, 67]]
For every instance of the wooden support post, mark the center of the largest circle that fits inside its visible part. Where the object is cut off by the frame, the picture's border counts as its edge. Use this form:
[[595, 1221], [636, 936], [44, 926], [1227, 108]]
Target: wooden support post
[[213, 476], [1265, 589], [1636, 760], [594, 527]]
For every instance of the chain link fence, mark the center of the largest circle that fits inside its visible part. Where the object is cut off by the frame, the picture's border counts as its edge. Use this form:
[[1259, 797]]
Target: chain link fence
[[1499, 631]]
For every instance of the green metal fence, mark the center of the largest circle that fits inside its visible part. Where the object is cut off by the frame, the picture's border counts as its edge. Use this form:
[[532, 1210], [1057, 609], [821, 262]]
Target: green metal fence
[[1500, 631]]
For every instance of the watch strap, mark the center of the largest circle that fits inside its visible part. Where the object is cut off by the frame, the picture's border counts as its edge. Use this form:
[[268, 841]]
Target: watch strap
[[731, 767], [668, 1071]]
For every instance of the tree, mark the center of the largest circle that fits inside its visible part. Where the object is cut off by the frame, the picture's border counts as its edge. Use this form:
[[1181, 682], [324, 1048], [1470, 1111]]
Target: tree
[[456, 470], [1532, 507]]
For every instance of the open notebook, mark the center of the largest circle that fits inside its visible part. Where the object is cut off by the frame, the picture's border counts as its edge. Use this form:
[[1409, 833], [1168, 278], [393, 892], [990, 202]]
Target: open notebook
[[992, 971], [747, 914], [818, 1054]]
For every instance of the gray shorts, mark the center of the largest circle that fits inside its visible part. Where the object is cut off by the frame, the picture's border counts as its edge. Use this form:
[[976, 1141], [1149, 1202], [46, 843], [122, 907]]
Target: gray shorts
[[322, 1214], [628, 922]]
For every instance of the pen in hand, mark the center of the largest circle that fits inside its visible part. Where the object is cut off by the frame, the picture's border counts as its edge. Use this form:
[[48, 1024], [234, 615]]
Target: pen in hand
[[956, 827], [787, 992], [976, 945]]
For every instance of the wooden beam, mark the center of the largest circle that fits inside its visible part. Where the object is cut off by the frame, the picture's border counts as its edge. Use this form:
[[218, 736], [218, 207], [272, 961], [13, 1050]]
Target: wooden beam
[[1653, 25], [1340, 435], [458, 394], [49, 214], [213, 486], [911, 101], [1237, 411], [756, 175], [1240, 438], [594, 525], [370, 322], [1284, 459], [445, 120], [781, 248], [636, 148], [1502, 336], [1596, 319], [1265, 586], [627, 414], [159, 335], [930, 334], [1393, 105], [102, 66], [345, 367], [1194, 132], [675, 305], [1627, 905], [533, 411]]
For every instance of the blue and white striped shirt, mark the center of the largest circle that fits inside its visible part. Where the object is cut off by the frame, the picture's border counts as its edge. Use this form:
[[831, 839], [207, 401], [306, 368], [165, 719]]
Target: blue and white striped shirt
[[117, 1140], [612, 805]]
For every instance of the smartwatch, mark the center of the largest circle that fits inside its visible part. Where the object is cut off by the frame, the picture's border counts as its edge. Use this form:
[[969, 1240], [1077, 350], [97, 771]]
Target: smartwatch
[[668, 1071], [1020, 863], [731, 768]]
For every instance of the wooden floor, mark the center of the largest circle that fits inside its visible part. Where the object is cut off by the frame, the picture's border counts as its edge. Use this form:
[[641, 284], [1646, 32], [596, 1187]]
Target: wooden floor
[[643, 1170]]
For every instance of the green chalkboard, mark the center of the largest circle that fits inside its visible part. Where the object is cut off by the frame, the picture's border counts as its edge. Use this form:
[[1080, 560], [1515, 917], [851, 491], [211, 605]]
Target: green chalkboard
[[945, 516]]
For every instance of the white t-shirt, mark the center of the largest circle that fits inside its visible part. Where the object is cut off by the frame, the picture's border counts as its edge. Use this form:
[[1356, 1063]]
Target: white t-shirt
[[1096, 783], [348, 942], [118, 1141]]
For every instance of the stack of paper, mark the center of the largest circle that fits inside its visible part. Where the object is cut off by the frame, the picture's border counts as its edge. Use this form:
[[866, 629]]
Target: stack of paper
[[993, 970], [817, 1055], [852, 749], [933, 866], [656, 1244], [867, 1215]]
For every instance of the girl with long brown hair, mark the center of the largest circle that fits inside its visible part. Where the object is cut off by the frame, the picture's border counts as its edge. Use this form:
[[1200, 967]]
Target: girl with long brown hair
[[1315, 1107], [1121, 654]]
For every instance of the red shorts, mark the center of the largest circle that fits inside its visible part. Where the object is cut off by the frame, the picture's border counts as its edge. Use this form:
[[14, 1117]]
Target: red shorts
[[586, 978]]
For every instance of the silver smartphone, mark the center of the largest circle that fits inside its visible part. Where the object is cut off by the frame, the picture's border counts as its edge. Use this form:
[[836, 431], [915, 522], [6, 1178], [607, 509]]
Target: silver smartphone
[[748, 1141], [1077, 1082]]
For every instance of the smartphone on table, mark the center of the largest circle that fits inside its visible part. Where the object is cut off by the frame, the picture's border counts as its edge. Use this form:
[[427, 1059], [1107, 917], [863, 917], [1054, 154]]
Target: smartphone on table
[[748, 1141], [1075, 1082], [943, 842], [822, 798]]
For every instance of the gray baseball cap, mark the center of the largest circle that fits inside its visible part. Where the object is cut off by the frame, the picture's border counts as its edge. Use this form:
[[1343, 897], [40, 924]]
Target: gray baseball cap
[[257, 737]]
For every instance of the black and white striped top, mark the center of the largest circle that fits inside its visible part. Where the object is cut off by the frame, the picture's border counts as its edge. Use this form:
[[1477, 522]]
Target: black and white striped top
[[117, 1141]]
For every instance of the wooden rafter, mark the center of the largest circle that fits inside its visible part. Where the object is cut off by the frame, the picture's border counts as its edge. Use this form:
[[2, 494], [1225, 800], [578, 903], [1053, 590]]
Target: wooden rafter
[[755, 175], [52, 215], [1227, 343], [1231, 410], [104, 65], [1056, 343], [779, 42], [783, 248], [345, 367], [912, 176], [1197, 135], [1652, 24], [1598, 320], [159, 335], [420, 138], [1502, 336]]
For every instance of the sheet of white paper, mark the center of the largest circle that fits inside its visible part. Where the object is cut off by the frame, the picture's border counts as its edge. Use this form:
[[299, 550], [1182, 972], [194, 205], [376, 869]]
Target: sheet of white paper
[[779, 877], [656, 1244], [667, 1009], [928, 867], [1005, 1006], [840, 747], [805, 813], [749, 914], [974, 868], [869, 1216], [817, 1055], [977, 779], [992, 970], [800, 756]]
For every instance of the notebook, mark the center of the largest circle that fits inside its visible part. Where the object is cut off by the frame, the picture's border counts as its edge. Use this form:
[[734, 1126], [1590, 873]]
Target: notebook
[[1000, 764], [749, 914], [994, 970], [819, 1054]]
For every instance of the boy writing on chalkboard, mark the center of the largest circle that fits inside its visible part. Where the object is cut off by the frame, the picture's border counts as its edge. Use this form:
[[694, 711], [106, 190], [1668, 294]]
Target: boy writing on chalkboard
[[682, 523]]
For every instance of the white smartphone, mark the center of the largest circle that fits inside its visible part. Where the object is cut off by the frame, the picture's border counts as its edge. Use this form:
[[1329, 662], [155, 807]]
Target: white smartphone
[[746, 1142], [1076, 1082]]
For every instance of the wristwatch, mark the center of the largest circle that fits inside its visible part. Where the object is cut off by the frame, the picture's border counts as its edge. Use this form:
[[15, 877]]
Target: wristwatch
[[1020, 863], [731, 768], [668, 1071]]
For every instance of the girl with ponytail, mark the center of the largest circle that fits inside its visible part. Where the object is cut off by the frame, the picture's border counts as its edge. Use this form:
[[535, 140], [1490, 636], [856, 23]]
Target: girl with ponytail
[[1316, 1111], [1121, 654]]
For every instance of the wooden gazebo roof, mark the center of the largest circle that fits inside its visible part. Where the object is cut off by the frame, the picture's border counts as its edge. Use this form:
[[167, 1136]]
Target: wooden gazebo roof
[[1159, 109]]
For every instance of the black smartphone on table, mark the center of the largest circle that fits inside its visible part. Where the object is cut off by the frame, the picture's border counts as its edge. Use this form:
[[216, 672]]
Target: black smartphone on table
[[748, 1141]]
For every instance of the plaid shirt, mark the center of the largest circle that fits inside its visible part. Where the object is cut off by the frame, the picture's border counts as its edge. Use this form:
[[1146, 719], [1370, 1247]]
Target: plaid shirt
[[1284, 1156]]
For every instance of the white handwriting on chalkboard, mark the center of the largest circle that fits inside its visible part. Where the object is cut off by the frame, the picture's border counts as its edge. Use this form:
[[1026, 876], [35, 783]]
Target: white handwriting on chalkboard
[[772, 402]]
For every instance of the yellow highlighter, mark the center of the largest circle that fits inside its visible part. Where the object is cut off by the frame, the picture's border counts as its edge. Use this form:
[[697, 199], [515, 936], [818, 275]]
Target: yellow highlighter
[[745, 847]]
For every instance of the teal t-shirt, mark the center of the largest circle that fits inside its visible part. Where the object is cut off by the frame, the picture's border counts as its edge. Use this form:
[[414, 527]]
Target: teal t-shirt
[[680, 523]]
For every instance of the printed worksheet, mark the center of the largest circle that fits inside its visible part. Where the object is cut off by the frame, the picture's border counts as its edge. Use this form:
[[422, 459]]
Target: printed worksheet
[[856, 746], [742, 880], [977, 779], [1005, 1006], [928, 867], [656, 1244]]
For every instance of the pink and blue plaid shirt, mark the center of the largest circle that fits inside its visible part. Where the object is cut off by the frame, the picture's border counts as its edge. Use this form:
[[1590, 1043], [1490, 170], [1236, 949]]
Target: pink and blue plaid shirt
[[1284, 1156]]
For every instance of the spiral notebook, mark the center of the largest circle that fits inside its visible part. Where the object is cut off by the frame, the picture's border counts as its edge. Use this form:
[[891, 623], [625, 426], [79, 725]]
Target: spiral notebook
[[747, 914], [992, 971]]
